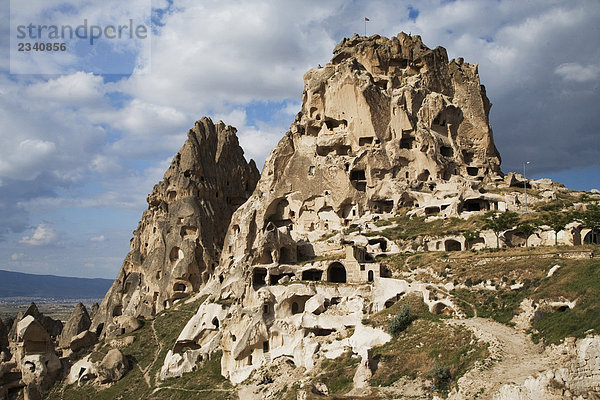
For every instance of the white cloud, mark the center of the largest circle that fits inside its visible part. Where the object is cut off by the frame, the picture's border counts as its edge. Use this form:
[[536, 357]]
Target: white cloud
[[255, 50], [43, 235], [99, 239], [578, 73], [77, 89], [25, 160], [257, 141], [17, 256]]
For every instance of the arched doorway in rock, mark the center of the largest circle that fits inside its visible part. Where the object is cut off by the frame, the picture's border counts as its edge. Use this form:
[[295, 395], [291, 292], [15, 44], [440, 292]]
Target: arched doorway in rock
[[179, 287], [452, 245], [592, 237], [441, 309], [336, 273]]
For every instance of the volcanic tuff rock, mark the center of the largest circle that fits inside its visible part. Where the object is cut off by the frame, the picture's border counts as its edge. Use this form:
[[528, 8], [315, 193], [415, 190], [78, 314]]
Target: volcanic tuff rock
[[178, 242], [52, 326], [388, 123], [112, 367], [78, 322], [388, 129]]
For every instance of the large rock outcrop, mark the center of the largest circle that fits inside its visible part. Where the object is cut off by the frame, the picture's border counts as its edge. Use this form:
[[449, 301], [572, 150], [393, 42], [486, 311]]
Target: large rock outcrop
[[35, 357], [177, 244], [4, 351], [387, 124], [78, 322], [52, 326]]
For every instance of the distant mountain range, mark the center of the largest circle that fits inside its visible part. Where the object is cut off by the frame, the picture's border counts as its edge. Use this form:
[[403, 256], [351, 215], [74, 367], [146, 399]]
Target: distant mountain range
[[17, 284]]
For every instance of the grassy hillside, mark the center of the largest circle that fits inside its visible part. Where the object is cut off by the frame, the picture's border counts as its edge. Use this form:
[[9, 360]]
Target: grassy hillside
[[146, 356]]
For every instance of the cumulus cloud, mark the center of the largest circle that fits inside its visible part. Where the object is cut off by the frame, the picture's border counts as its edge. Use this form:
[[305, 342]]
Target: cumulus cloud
[[43, 235], [578, 73], [255, 50], [99, 239], [24, 160], [78, 89]]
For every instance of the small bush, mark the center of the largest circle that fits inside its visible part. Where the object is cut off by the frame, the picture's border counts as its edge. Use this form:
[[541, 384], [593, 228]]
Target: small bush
[[441, 376], [401, 321]]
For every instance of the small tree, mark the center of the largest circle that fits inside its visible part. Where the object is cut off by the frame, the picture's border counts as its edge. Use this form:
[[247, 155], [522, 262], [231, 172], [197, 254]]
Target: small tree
[[499, 222], [469, 237], [527, 229], [591, 217], [401, 321], [557, 221], [441, 376]]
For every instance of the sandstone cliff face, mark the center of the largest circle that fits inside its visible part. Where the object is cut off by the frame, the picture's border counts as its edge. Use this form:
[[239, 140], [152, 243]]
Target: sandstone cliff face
[[79, 321], [178, 242], [388, 123]]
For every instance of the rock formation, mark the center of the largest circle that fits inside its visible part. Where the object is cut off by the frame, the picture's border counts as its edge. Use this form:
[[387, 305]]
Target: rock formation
[[388, 123], [52, 326], [78, 322], [35, 357], [27, 354], [178, 242], [388, 129], [112, 367], [3, 341]]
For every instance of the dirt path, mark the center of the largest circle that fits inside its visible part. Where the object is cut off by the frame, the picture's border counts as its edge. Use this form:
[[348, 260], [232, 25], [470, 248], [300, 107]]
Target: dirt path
[[146, 371], [513, 358]]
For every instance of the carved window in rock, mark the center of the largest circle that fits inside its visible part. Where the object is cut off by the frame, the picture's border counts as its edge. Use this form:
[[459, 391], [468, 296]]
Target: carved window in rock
[[258, 277], [472, 171], [117, 310], [312, 275], [295, 308], [358, 178], [407, 142], [446, 151], [365, 141]]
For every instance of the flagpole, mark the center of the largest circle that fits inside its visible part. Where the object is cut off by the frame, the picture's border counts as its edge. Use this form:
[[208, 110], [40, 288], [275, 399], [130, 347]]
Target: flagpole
[[365, 27]]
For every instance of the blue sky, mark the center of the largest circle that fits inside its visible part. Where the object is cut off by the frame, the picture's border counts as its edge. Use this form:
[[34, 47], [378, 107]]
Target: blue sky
[[81, 150]]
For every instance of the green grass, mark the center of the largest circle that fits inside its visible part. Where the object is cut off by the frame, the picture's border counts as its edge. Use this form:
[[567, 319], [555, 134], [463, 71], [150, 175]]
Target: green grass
[[407, 227], [337, 374], [168, 325], [203, 383], [500, 305], [424, 345], [576, 280]]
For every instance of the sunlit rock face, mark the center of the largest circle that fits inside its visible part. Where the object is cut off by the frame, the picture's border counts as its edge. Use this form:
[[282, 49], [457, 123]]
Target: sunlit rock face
[[178, 242], [388, 123]]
